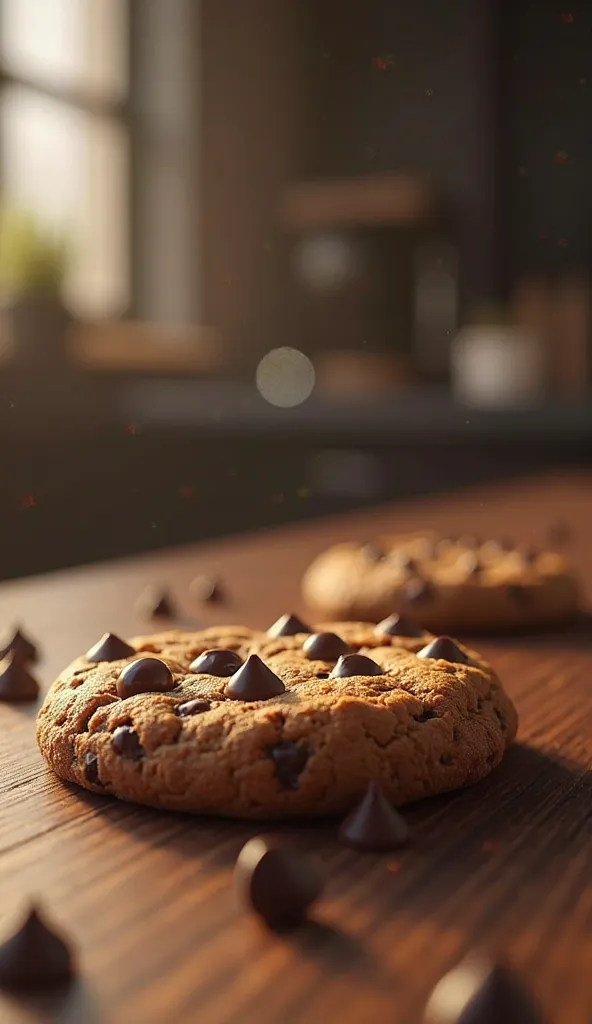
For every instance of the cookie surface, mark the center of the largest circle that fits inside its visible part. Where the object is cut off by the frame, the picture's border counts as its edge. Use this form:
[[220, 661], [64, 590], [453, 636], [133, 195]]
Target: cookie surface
[[444, 585], [416, 725]]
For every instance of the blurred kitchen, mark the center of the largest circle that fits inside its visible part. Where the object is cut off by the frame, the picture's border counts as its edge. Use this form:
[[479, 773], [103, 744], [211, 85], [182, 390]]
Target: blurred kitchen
[[266, 260]]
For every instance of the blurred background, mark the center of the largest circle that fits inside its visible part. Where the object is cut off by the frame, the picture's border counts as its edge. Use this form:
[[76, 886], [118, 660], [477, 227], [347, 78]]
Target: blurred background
[[262, 261]]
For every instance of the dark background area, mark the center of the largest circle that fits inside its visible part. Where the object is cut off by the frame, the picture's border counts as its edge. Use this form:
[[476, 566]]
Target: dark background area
[[492, 101]]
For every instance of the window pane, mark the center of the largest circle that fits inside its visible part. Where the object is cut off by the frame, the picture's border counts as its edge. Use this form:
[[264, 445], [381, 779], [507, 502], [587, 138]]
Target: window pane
[[70, 169], [76, 43]]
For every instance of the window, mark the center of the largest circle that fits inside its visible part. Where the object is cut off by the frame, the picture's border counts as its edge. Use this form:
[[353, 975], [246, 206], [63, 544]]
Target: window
[[64, 146]]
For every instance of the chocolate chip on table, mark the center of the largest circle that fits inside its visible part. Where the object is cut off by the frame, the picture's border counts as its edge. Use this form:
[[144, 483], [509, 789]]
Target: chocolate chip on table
[[417, 591], [206, 589], [35, 958], [355, 665], [145, 675], [19, 644], [479, 991], [193, 707], [17, 685], [254, 681], [278, 884], [110, 648], [288, 625], [325, 647], [217, 662], [155, 603], [91, 768], [374, 825], [396, 625], [444, 649], [126, 742], [289, 760], [402, 561]]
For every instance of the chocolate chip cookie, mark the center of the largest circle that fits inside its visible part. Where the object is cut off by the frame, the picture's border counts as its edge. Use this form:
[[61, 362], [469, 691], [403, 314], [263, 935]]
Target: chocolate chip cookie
[[292, 721], [445, 584]]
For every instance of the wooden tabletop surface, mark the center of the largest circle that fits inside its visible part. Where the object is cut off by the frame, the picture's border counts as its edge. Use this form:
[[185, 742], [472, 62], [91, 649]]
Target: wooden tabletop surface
[[148, 896]]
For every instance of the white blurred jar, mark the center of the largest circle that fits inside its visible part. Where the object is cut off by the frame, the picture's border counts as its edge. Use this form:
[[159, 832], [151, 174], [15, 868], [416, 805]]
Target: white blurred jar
[[497, 366]]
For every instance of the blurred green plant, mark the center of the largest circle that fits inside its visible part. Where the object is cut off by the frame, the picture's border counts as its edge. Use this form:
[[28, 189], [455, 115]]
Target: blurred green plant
[[33, 260]]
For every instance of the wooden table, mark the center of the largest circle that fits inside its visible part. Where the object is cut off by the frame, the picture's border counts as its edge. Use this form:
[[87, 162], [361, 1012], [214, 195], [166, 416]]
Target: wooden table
[[149, 896]]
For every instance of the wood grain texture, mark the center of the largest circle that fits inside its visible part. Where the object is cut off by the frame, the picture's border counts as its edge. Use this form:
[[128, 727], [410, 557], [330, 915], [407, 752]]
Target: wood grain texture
[[149, 895]]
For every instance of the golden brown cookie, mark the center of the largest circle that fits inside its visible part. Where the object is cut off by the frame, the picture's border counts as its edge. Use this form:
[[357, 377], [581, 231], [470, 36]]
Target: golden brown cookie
[[446, 585], [299, 728]]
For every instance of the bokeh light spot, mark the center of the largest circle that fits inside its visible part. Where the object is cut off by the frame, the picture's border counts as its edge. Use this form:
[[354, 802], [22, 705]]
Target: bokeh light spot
[[285, 377]]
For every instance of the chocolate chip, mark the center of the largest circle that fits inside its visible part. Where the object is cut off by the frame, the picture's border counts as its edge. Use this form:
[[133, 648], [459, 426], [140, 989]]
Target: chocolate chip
[[395, 625], [372, 552], [289, 760], [288, 625], [528, 553], [374, 825], [444, 649], [206, 589], [426, 716], [17, 685], [217, 662], [35, 958], [469, 564], [110, 648], [478, 991], [417, 591], [125, 741], [324, 647], [355, 665], [193, 707], [91, 768], [20, 645], [279, 884], [254, 681], [156, 603], [145, 675], [519, 593]]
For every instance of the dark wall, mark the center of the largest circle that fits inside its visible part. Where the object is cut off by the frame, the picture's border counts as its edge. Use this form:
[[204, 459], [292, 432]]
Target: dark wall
[[548, 117], [413, 86]]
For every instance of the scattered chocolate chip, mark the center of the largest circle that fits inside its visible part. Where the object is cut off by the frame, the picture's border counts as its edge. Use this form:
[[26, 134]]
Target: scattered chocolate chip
[[444, 649], [17, 685], [145, 675], [109, 648], [355, 665], [374, 825], [91, 768], [288, 625], [125, 741], [519, 593], [254, 681], [418, 591], [279, 884], [35, 958], [217, 662], [193, 707], [478, 991], [470, 564], [324, 647], [206, 589], [20, 645], [156, 604], [395, 625], [372, 552], [289, 760], [403, 562]]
